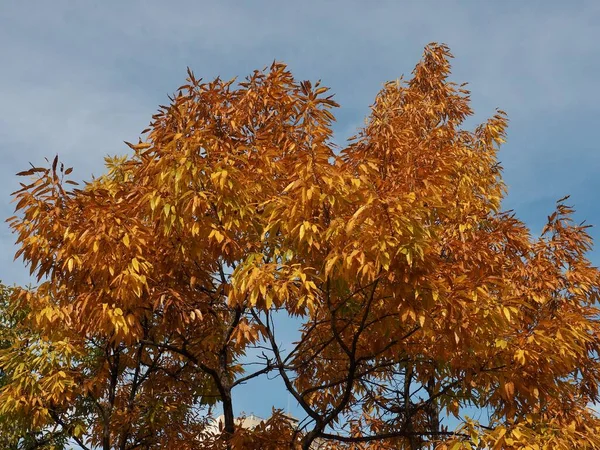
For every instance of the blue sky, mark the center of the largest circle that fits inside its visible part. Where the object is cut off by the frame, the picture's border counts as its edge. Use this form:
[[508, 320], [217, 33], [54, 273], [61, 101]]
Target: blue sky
[[79, 78]]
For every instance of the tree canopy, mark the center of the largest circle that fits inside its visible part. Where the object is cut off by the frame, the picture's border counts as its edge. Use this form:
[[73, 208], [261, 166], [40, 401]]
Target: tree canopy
[[418, 297]]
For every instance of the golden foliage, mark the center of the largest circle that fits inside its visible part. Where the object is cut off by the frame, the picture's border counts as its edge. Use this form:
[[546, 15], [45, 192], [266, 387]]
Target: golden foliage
[[418, 296]]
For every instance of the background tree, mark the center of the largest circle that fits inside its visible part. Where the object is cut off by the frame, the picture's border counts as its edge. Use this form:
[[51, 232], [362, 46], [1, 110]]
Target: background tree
[[417, 296], [58, 388]]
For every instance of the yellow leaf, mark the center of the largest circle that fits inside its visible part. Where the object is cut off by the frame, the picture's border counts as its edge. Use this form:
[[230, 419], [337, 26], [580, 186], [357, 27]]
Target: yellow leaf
[[520, 356], [516, 433], [501, 343], [509, 389]]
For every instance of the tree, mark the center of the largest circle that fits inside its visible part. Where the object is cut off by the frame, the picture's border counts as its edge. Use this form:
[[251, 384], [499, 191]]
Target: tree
[[418, 296]]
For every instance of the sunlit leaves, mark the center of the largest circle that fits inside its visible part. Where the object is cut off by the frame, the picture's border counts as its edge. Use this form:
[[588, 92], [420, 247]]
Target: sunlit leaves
[[417, 296]]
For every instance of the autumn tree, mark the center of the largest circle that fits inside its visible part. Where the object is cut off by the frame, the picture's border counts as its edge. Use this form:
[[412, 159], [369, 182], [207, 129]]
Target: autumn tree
[[418, 297]]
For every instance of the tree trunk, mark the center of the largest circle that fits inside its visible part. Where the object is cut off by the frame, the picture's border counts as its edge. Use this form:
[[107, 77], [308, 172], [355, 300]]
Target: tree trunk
[[229, 418]]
